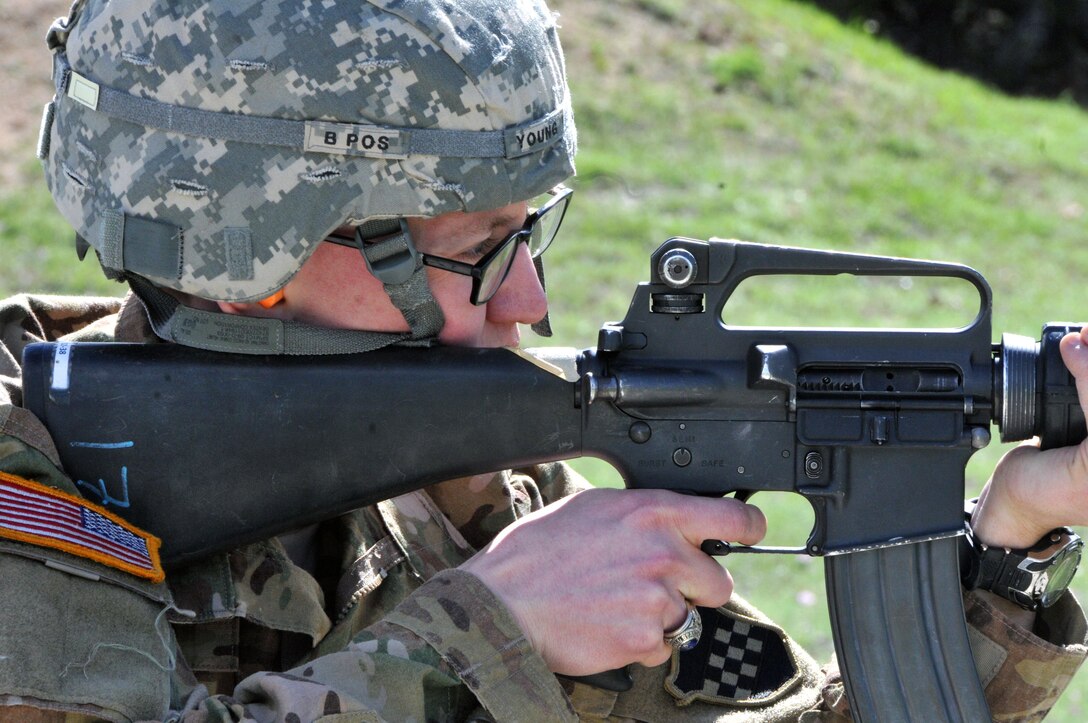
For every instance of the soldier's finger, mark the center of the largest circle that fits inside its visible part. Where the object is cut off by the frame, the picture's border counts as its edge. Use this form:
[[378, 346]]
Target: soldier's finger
[[1074, 350], [725, 518]]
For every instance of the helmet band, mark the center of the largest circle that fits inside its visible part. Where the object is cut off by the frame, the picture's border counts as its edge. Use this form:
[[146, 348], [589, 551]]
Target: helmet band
[[351, 139]]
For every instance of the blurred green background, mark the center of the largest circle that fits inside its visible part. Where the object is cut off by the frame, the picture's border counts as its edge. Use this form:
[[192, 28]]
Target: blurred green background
[[769, 121]]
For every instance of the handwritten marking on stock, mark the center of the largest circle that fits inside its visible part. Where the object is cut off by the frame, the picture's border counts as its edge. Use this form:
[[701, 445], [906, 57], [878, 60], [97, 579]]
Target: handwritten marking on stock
[[100, 488]]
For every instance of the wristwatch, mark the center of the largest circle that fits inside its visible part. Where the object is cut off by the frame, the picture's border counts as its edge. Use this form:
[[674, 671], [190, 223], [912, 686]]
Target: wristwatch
[[1033, 577]]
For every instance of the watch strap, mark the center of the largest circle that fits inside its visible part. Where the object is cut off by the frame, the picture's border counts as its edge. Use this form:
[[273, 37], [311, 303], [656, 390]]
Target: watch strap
[[999, 572], [998, 569]]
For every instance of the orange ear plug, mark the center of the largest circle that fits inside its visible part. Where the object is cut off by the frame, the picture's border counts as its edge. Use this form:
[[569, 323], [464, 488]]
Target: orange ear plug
[[272, 300]]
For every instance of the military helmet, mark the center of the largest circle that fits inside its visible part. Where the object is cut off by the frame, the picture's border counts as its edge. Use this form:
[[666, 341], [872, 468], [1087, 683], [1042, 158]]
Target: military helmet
[[210, 146]]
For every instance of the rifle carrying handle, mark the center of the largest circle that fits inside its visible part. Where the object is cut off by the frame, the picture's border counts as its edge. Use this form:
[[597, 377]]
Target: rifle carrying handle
[[879, 602]]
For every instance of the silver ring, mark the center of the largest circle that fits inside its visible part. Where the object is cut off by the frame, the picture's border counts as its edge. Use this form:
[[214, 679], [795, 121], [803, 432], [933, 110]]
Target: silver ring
[[687, 635]]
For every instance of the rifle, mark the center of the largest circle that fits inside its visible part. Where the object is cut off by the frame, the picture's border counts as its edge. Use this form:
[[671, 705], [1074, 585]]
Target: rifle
[[863, 424]]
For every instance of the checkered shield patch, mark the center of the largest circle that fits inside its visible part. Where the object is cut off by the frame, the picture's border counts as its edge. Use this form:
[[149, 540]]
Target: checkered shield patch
[[738, 661]]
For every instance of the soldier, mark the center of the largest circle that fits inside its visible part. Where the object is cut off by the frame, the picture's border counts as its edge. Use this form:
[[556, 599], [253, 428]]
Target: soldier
[[315, 177]]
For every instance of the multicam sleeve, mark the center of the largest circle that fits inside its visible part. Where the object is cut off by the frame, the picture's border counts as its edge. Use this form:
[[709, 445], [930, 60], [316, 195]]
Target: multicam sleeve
[[556, 481], [1023, 671], [461, 619], [447, 649], [27, 450]]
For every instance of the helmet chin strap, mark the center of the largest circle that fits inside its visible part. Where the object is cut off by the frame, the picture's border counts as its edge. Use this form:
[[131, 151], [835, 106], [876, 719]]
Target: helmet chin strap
[[391, 257], [218, 331]]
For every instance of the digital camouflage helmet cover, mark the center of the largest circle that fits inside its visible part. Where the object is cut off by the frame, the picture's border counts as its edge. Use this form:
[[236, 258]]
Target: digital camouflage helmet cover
[[210, 146]]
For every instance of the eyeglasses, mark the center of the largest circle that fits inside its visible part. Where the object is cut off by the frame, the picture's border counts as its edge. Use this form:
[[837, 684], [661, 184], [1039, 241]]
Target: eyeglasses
[[488, 274]]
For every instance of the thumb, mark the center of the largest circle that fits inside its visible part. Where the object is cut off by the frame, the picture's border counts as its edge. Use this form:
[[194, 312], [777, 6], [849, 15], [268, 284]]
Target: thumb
[[1074, 350]]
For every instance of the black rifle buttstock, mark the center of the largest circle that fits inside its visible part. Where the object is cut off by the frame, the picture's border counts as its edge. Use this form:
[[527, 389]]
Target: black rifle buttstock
[[209, 451]]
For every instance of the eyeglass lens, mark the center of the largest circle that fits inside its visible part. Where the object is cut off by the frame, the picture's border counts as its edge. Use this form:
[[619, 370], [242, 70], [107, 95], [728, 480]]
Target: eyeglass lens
[[540, 236], [496, 271], [546, 227]]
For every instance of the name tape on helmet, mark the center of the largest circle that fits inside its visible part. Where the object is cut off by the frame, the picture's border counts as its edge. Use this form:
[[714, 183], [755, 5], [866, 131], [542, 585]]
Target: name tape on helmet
[[533, 137], [354, 140]]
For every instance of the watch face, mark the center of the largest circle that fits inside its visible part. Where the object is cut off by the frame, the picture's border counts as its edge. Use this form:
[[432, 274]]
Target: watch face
[[1059, 575]]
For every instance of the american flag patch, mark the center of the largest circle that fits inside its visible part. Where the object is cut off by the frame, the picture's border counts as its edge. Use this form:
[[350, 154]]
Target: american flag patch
[[40, 515]]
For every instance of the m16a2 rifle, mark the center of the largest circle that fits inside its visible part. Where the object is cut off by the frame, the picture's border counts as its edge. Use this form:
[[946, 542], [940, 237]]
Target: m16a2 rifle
[[873, 428]]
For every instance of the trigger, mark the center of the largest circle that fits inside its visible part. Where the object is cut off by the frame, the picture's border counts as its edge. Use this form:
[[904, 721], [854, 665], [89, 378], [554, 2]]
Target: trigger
[[743, 495]]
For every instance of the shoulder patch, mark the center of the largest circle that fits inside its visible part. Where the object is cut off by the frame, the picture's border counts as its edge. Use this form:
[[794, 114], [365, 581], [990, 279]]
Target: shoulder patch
[[41, 515], [739, 661]]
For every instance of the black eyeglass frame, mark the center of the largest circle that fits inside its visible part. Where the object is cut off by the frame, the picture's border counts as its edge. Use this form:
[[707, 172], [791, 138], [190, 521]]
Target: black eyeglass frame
[[478, 271]]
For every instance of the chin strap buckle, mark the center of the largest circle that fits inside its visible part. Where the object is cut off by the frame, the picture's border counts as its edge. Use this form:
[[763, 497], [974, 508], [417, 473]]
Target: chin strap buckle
[[388, 250], [391, 256]]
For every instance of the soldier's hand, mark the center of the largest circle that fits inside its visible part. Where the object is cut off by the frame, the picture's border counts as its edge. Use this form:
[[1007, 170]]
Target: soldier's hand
[[1031, 491], [597, 578]]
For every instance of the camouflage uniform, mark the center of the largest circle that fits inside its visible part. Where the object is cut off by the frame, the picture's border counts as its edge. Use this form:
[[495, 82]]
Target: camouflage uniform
[[385, 628]]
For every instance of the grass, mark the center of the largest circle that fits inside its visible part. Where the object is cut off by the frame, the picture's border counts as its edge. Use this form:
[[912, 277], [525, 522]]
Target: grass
[[769, 121], [38, 246]]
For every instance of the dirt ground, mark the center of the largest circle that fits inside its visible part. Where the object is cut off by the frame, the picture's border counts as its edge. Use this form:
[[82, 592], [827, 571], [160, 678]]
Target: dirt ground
[[25, 85]]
